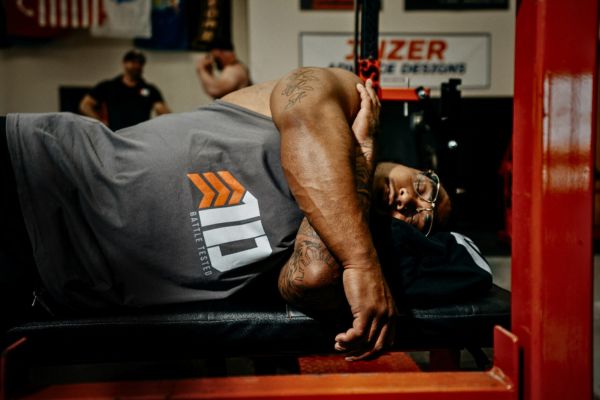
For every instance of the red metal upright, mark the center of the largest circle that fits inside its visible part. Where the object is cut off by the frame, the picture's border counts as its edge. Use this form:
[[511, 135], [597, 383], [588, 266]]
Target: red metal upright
[[554, 130]]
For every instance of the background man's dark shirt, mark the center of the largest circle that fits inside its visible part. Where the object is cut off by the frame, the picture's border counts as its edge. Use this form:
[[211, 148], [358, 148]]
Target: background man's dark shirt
[[126, 106]]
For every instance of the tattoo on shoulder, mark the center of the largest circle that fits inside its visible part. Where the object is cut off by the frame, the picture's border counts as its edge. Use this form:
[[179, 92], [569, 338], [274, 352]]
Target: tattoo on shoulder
[[298, 85]]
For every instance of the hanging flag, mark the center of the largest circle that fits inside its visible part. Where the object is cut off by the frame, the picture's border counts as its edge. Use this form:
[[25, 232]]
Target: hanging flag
[[169, 26], [125, 19], [47, 18], [210, 24], [4, 42], [69, 13], [327, 5]]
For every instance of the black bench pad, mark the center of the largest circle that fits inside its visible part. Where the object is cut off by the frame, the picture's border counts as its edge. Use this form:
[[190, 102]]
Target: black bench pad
[[241, 328]]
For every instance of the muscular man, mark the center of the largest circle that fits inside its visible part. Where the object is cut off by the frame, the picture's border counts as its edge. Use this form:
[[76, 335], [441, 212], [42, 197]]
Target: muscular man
[[194, 206], [232, 75], [127, 99]]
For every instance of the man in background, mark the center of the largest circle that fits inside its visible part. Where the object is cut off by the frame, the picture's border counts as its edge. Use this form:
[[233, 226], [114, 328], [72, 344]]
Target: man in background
[[232, 75], [127, 99]]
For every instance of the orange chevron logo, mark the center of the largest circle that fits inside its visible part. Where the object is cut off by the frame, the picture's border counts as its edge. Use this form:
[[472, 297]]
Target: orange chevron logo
[[218, 189]]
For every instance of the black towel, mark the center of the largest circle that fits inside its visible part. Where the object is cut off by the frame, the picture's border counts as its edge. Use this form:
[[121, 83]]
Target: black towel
[[444, 268]]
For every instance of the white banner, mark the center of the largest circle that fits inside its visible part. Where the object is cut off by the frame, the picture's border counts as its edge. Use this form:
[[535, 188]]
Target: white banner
[[126, 19], [422, 59]]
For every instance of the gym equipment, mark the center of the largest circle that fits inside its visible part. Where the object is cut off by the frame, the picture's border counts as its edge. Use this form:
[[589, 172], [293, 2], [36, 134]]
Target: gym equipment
[[550, 355]]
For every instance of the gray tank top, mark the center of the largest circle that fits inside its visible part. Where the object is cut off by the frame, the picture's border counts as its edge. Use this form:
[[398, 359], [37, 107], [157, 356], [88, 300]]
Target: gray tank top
[[181, 208]]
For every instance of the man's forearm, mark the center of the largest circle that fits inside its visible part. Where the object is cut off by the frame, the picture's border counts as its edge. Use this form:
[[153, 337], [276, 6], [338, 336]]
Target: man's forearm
[[313, 110], [90, 112], [319, 161], [210, 83], [311, 257], [87, 107]]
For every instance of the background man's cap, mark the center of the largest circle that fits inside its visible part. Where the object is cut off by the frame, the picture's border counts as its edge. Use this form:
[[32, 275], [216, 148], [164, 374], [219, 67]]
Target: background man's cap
[[134, 55]]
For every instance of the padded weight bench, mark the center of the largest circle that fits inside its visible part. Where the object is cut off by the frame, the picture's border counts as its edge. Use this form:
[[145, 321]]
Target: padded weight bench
[[233, 328]]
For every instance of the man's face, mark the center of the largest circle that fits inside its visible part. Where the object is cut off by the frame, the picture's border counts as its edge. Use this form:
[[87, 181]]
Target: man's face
[[408, 194], [133, 68]]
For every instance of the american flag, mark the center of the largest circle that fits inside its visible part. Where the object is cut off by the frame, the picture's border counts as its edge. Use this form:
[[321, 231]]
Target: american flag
[[63, 13]]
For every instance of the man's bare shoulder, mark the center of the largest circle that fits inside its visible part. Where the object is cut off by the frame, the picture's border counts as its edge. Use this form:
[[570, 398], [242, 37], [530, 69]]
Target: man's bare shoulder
[[328, 80], [344, 75], [309, 90], [257, 97]]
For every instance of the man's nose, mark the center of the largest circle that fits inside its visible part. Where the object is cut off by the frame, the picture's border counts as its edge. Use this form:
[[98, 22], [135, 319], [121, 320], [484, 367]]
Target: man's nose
[[404, 199]]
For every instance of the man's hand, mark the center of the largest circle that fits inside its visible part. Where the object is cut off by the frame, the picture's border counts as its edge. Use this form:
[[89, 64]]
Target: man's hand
[[366, 123], [364, 128], [205, 64], [89, 107], [367, 293], [374, 313]]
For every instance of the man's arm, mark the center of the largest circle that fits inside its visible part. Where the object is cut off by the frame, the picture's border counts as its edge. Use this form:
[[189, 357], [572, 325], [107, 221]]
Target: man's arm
[[89, 106], [314, 110], [233, 77], [160, 107], [310, 279]]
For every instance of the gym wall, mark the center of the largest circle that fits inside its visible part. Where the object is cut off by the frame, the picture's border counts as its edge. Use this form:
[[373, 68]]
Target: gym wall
[[30, 75], [275, 27], [266, 36], [486, 114]]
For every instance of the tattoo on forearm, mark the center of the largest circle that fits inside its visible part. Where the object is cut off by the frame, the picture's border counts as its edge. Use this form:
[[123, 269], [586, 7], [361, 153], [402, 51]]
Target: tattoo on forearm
[[366, 149], [306, 230], [295, 271], [298, 85], [364, 172], [309, 252]]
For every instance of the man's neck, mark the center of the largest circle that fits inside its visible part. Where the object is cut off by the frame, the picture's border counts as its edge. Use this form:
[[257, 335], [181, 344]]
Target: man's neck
[[130, 81]]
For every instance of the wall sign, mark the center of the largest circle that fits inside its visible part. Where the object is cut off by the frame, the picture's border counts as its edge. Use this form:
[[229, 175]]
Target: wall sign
[[327, 4], [423, 59], [455, 5]]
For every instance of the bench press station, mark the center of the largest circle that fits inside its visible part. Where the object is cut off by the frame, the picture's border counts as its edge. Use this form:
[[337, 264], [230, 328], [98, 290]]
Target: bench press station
[[528, 367], [267, 327]]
